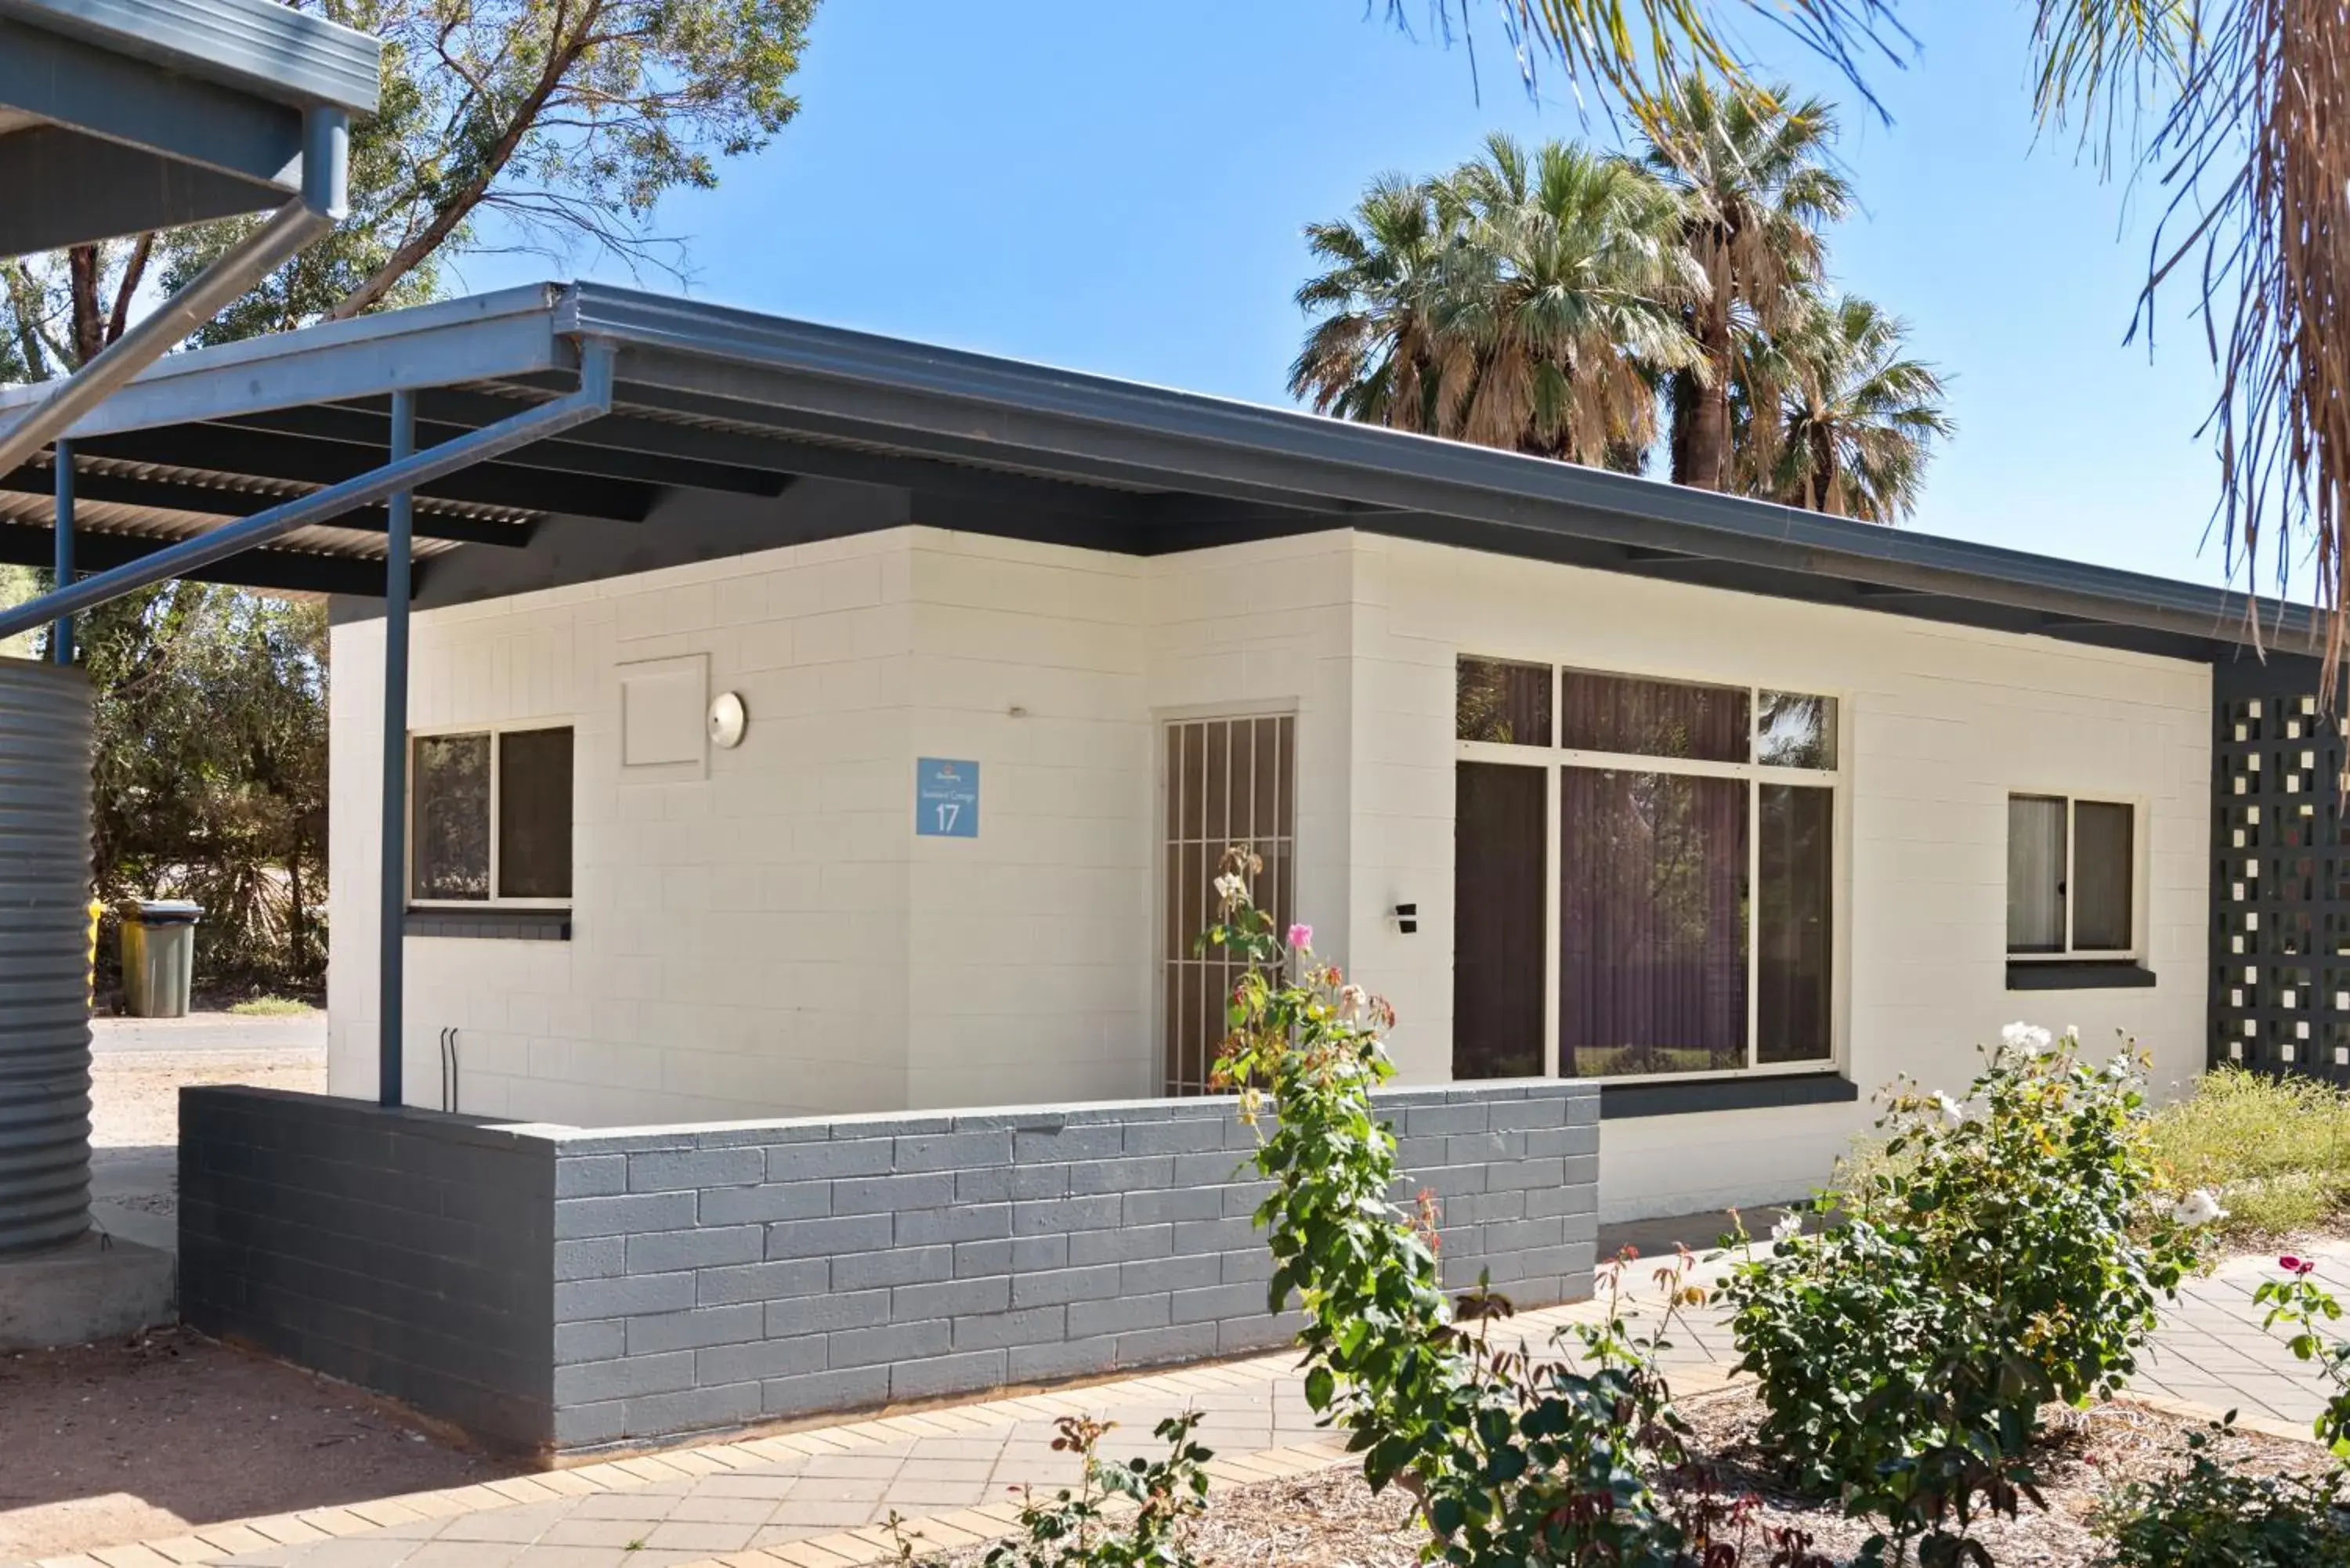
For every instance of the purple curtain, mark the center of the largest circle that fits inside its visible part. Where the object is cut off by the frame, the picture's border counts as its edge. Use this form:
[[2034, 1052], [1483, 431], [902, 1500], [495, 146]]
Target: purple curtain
[[1653, 900], [1654, 717]]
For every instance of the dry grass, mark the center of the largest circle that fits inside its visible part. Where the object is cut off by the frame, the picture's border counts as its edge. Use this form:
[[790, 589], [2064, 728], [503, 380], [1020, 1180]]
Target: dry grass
[[2277, 1150], [271, 1007]]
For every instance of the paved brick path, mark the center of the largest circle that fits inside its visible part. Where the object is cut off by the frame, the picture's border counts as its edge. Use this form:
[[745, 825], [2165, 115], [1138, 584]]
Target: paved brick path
[[815, 1499]]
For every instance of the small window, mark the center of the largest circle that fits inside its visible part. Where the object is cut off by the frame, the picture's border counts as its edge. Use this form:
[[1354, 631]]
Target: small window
[[1626, 714], [1504, 705], [490, 817], [2071, 877], [1794, 730]]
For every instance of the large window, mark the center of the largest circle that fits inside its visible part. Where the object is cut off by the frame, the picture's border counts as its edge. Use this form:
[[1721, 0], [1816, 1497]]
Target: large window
[[1644, 875], [1228, 781], [2070, 878], [490, 818]]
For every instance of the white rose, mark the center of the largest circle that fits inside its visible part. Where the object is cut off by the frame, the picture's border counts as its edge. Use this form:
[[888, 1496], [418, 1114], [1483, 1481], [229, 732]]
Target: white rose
[[1789, 1227], [2027, 1037], [2198, 1207]]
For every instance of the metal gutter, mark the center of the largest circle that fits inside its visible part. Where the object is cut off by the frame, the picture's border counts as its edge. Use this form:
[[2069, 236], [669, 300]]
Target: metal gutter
[[484, 338], [592, 400], [259, 46]]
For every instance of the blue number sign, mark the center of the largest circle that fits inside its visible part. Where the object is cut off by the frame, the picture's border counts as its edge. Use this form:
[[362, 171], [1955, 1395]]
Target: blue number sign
[[946, 799]]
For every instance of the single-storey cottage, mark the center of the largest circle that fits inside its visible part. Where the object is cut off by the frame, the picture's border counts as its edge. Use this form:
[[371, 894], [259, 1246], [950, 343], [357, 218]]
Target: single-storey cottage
[[842, 724], [803, 743]]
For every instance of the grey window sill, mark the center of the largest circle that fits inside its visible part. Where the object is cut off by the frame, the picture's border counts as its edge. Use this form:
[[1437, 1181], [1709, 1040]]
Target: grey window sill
[[491, 925], [1743, 1094], [2079, 974]]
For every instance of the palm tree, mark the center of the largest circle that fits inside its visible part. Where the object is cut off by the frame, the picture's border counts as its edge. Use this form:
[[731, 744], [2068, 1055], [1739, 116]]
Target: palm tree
[[2239, 109], [1560, 305], [1526, 300], [1752, 173], [1371, 356], [1857, 418]]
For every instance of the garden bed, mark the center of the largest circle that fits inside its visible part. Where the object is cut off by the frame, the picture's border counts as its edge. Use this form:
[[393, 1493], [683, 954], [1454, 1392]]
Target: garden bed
[[1333, 1521]]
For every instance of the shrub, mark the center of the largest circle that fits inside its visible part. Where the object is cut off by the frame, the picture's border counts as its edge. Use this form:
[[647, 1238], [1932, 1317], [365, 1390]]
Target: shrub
[[1512, 1458], [2002, 1253], [1130, 1515], [2210, 1515]]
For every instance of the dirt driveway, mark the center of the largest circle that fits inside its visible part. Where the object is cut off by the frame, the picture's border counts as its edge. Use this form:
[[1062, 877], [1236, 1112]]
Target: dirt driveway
[[114, 1443]]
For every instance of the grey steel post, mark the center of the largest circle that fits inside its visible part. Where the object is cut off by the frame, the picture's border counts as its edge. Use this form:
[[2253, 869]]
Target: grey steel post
[[61, 630], [391, 960]]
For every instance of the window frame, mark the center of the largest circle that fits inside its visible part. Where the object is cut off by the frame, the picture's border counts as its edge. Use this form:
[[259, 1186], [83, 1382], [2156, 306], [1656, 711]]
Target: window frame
[[1553, 758], [497, 766], [2074, 800]]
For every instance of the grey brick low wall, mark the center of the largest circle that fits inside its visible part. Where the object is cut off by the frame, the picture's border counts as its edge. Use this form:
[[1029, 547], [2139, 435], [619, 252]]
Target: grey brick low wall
[[405, 1251], [717, 1276]]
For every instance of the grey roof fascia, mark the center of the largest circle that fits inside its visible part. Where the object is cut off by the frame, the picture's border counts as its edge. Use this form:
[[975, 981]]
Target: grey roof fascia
[[1026, 412], [78, 86], [69, 188], [260, 47], [482, 338]]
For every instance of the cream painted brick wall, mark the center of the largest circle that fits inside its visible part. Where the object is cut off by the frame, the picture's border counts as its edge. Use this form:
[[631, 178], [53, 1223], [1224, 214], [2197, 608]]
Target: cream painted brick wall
[[739, 941], [1026, 979], [1940, 724], [775, 939]]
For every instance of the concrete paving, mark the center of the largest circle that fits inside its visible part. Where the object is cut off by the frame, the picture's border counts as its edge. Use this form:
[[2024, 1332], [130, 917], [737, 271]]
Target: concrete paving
[[303, 1031], [817, 1498]]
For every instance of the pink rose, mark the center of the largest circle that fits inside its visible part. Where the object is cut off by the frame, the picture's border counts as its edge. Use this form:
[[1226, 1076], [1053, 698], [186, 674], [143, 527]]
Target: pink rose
[[1301, 937]]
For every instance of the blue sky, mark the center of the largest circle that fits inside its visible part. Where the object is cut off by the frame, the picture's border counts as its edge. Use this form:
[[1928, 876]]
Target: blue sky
[[1120, 186]]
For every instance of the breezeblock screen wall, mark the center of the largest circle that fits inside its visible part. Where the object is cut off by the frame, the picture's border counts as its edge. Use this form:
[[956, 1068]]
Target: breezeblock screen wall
[[2280, 873]]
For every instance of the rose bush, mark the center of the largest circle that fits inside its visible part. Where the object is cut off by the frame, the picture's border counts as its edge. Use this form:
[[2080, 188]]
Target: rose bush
[[1514, 1457], [1132, 1515], [2006, 1252]]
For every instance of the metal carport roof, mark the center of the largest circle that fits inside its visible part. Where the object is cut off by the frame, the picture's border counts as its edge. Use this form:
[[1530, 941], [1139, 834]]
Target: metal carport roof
[[118, 116], [718, 413]]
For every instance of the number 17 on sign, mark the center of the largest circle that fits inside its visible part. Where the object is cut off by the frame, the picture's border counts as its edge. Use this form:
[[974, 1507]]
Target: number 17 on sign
[[946, 798]]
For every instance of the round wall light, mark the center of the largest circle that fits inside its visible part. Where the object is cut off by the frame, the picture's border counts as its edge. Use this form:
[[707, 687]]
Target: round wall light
[[728, 719]]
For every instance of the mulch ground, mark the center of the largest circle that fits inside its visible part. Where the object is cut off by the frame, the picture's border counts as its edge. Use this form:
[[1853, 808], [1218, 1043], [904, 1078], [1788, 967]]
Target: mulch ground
[[132, 1441], [1333, 1521]]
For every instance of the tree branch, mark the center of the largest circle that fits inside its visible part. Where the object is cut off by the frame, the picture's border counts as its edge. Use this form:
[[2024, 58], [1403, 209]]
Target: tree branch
[[118, 319], [451, 212]]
